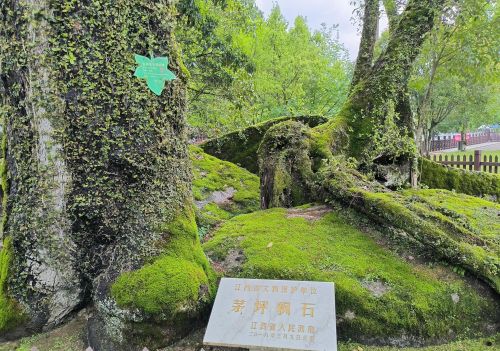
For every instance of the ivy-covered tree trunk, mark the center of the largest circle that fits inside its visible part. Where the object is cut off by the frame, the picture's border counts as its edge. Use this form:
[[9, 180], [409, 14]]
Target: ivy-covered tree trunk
[[368, 38], [367, 106], [96, 179], [373, 126]]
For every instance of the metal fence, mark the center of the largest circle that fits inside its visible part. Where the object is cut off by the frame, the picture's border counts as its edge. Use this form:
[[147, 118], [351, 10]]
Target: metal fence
[[451, 141]]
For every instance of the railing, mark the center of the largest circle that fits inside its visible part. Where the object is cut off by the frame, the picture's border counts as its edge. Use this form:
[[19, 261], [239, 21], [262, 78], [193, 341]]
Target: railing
[[478, 162], [451, 142]]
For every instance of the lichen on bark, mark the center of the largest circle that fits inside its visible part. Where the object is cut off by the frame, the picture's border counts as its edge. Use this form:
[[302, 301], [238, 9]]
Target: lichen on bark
[[97, 165]]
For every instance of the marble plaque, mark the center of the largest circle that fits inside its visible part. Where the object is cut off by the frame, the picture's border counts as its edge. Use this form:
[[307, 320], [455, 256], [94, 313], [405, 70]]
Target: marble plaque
[[273, 315]]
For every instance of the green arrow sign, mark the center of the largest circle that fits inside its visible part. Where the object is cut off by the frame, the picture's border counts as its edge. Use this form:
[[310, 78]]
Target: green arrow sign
[[155, 71]]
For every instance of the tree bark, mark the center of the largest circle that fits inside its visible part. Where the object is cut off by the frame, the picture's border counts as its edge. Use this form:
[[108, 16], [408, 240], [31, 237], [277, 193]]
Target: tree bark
[[97, 173]]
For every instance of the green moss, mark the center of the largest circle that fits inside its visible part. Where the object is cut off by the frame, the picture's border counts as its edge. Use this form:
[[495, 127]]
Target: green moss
[[168, 285], [172, 283], [240, 147], [10, 313], [483, 344], [437, 231], [4, 180], [431, 231], [210, 175], [285, 166], [478, 215], [417, 302], [438, 176]]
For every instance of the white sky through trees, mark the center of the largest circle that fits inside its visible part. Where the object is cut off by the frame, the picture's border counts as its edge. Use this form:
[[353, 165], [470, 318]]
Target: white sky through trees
[[330, 12]]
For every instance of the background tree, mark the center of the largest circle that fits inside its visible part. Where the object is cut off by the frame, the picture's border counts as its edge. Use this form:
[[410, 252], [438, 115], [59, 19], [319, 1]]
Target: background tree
[[455, 72], [250, 69], [371, 113]]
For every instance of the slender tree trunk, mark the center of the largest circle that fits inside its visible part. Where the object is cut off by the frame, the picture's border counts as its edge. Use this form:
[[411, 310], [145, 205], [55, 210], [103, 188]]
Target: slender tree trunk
[[97, 175], [368, 39], [391, 9]]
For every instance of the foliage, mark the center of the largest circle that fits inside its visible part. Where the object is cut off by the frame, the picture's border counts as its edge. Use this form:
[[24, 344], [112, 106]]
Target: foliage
[[438, 176], [454, 84], [246, 69], [417, 301], [389, 140]]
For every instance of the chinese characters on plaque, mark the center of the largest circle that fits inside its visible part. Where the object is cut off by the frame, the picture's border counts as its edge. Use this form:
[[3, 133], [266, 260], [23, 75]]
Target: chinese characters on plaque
[[273, 314]]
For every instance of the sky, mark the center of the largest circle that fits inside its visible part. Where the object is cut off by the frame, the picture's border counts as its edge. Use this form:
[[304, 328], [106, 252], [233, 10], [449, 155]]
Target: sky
[[330, 12]]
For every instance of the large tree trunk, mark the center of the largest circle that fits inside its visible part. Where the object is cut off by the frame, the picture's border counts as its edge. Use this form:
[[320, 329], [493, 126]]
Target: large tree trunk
[[97, 175], [387, 81], [374, 125]]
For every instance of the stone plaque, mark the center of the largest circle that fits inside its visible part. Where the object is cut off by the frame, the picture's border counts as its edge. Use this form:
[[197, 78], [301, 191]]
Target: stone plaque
[[273, 315]]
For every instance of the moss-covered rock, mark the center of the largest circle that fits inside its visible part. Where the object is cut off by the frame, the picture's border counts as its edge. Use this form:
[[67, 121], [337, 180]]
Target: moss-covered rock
[[479, 216], [439, 176], [440, 232], [285, 165], [240, 147], [168, 285], [380, 296], [221, 189]]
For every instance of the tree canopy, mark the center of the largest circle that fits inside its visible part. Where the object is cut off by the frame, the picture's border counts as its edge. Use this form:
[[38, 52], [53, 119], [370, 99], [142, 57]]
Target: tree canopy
[[247, 69]]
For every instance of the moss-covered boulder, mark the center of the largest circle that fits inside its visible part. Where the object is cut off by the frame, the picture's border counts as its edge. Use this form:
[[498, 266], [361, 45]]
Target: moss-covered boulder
[[240, 147], [381, 296], [221, 189]]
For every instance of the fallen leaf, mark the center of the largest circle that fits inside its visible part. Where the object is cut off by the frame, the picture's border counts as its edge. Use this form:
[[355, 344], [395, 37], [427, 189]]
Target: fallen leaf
[[270, 245]]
